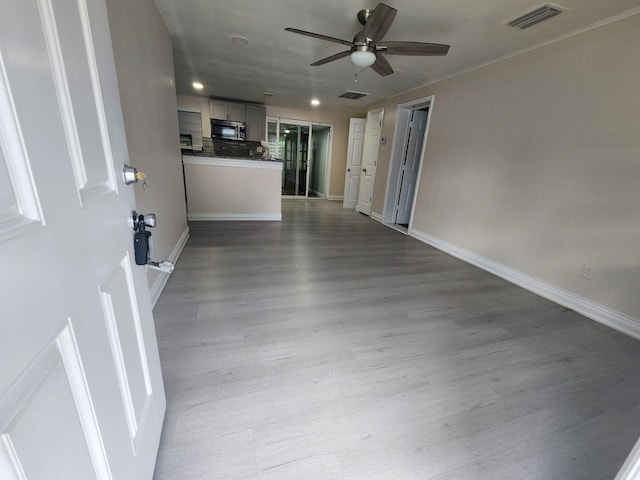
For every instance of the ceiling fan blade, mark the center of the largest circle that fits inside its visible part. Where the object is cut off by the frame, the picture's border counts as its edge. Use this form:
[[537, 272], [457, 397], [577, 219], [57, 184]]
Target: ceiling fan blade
[[337, 56], [318, 35], [379, 22], [413, 48], [381, 66]]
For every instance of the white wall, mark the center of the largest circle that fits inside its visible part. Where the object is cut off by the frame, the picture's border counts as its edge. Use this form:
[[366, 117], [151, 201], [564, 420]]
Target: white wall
[[144, 64], [534, 163]]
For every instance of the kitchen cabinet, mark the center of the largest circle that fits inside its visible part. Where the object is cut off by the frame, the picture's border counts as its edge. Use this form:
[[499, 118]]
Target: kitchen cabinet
[[256, 118], [190, 124], [222, 110]]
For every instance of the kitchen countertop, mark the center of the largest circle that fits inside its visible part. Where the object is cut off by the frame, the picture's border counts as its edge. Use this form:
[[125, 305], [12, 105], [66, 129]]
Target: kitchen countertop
[[256, 158], [234, 162]]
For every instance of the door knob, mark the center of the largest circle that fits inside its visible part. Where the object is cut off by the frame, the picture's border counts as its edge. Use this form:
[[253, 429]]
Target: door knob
[[364, 170], [149, 219], [139, 222], [348, 169]]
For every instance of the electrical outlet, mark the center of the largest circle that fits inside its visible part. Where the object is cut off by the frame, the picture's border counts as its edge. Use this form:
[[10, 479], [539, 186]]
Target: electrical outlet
[[587, 271]]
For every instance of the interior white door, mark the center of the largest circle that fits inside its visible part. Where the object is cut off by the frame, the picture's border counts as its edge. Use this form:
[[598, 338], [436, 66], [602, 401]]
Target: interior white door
[[410, 166], [354, 162], [369, 161], [81, 392]]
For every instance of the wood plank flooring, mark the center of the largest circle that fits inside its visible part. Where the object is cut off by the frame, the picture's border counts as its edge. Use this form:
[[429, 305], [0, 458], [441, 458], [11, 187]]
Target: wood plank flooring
[[329, 346]]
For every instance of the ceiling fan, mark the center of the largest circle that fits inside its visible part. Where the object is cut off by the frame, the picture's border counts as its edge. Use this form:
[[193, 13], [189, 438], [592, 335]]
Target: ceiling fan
[[367, 48]]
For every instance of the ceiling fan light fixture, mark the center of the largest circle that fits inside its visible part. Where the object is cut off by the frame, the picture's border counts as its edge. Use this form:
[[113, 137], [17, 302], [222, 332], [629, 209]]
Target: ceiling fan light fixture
[[363, 58]]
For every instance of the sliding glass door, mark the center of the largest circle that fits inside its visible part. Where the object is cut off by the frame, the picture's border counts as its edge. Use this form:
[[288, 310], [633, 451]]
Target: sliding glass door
[[289, 141], [294, 144]]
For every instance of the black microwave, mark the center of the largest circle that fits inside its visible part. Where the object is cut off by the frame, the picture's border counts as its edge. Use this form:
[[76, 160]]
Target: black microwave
[[228, 130]]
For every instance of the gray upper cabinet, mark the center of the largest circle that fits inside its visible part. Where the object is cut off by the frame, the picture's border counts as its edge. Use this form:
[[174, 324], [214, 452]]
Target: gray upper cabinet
[[256, 119], [190, 123], [221, 110]]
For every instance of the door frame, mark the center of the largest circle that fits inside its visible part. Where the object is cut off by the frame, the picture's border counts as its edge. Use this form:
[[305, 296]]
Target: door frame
[[398, 147], [310, 124], [299, 123], [327, 167]]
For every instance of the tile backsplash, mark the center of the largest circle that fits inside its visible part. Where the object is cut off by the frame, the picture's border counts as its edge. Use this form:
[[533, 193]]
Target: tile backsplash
[[232, 148]]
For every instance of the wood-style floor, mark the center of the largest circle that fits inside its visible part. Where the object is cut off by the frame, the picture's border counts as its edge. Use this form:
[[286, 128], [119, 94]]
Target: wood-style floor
[[329, 346]]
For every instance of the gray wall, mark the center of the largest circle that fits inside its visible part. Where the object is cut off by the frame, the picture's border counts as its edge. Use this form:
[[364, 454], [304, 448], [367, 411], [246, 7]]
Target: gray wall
[[534, 163], [144, 63]]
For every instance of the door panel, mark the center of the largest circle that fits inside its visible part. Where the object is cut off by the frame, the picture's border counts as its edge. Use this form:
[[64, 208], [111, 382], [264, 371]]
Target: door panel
[[353, 189], [357, 152], [67, 30], [51, 411], [77, 327], [411, 166], [51, 398], [127, 346], [354, 162], [19, 206], [369, 161], [406, 197], [8, 201]]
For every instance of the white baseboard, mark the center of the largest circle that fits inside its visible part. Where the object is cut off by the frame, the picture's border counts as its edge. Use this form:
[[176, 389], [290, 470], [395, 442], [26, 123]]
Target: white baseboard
[[630, 470], [376, 216], [316, 194], [161, 279], [335, 197], [614, 319], [235, 217]]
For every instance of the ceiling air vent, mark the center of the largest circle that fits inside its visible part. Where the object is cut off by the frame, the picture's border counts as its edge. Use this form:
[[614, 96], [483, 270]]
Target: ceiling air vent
[[351, 95], [535, 16]]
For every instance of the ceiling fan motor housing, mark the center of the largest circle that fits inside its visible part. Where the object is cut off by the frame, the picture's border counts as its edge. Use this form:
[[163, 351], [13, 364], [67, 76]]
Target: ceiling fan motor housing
[[363, 15], [361, 40], [362, 47]]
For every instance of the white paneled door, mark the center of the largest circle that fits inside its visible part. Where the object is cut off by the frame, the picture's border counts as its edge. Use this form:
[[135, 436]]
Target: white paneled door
[[372, 133], [354, 162], [411, 166], [81, 392]]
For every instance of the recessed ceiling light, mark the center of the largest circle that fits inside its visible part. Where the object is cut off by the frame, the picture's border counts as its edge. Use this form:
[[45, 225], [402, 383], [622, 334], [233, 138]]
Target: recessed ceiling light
[[197, 85], [315, 102], [238, 40]]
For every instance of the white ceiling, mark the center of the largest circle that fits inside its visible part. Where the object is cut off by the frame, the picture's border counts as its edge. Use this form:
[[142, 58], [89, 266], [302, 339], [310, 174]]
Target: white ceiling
[[278, 61]]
